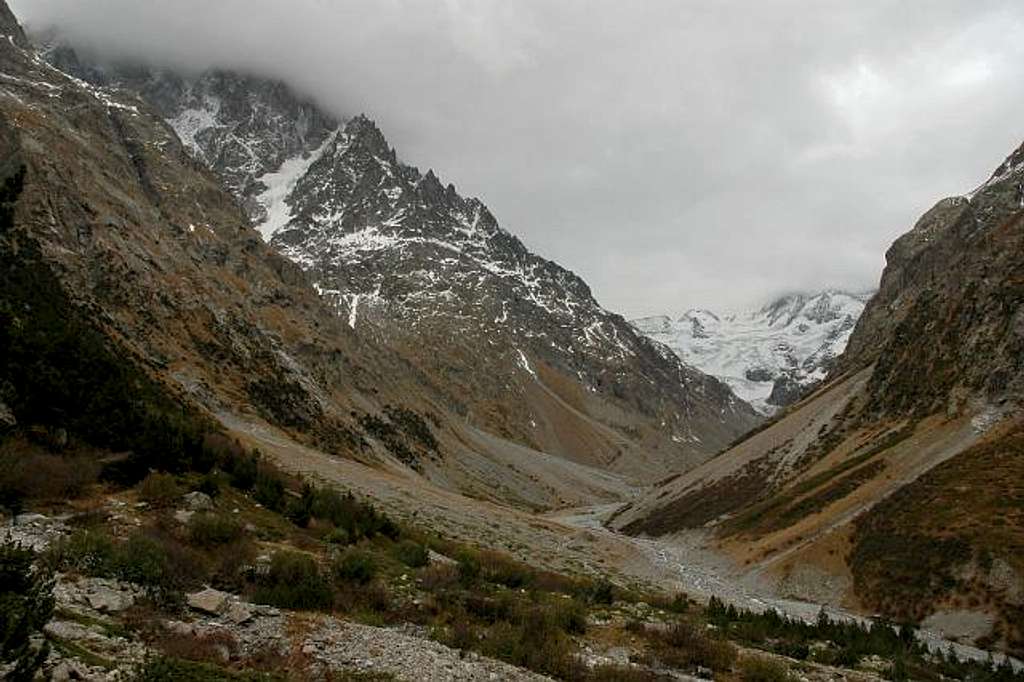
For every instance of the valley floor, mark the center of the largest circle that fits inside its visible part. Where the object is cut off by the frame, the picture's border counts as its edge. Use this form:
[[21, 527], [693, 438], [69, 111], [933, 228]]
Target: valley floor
[[572, 539], [693, 567]]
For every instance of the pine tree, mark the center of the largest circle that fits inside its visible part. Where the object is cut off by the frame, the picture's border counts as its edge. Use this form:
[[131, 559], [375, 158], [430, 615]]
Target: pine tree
[[26, 605]]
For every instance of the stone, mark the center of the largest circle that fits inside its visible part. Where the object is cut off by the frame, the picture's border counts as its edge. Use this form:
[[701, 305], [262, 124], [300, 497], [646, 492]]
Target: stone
[[69, 670], [183, 516], [437, 558], [209, 601], [181, 628], [67, 630], [197, 501], [238, 613], [29, 519], [7, 420], [107, 600]]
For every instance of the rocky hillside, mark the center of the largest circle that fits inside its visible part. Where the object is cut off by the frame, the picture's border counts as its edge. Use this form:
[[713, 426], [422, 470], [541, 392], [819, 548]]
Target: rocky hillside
[[144, 247], [840, 498], [770, 357], [405, 259], [137, 298]]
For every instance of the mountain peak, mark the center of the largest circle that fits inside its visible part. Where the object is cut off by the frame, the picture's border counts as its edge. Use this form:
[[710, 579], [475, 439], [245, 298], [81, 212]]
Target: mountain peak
[[362, 130], [10, 27]]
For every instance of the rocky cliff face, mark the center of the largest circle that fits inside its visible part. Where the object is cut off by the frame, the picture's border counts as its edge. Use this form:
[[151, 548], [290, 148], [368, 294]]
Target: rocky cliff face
[[519, 342], [155, 255], [947, 326], [770, 357], [10, 27]]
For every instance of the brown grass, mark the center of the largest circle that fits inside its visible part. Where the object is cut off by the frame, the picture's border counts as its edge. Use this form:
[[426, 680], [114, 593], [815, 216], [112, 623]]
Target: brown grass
[[935, 540]]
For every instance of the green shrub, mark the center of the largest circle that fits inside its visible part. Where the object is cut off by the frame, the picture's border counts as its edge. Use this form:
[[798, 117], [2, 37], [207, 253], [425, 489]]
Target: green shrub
[[298, 512], [412, 554], [359, 519], [151, 559], [758, 669], [159, 490], [294, 581], [167, 669], [210, 485], [26, 605], [337, 536], [157, 561], [86, 551], [242, 470], [603, 592], [211, 530], [569, 615], [469, 566], [355, 566], [686, 645], [269, 490], [501, 569], [610, 672]]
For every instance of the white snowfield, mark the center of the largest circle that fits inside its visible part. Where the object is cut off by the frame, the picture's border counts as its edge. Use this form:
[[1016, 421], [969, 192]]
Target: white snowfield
[[796, 336]]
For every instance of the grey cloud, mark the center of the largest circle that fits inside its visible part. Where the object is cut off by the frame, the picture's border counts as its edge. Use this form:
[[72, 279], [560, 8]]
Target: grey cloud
[[674, 153]]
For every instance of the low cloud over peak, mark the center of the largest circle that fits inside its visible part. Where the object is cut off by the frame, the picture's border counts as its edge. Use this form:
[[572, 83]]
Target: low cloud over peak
[[674, 154]]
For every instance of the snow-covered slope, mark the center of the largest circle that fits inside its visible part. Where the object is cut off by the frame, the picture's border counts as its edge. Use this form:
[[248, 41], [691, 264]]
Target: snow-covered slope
[[768, 356]]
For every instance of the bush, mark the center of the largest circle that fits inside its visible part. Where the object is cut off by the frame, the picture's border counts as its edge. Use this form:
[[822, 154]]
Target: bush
[[212, 646], [167, 669], [294, 581], [412, 554], [86, 551], [26, 605], [269, 490], [26, 473], [469, 566], [439, 576], [610, 672], [242, 470], [159, 490], [151, 559], [158, 562], [358, 519], [758, 669], [336, 536], [355, 566], [212, 530], [210, 485], [603, 592], [500, 569], [684, 645], [569, 615]]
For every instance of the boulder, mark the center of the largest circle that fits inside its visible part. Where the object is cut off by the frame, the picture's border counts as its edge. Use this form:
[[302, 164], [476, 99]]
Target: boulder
[[238, 613], [209, 601], [197, 501], [68, 670], [7, 420], [107, 600]]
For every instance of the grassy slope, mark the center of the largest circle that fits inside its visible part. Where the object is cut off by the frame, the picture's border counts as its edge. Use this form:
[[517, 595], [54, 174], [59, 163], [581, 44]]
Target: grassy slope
[[943, 541]]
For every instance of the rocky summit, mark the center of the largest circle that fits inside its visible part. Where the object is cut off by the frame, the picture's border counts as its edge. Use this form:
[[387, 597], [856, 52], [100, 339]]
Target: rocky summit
[[771, 356], [518, 342]]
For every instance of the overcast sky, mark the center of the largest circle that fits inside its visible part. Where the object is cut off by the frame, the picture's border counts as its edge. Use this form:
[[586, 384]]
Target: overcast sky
[[674, 153]]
